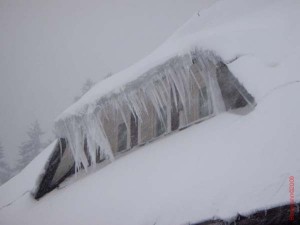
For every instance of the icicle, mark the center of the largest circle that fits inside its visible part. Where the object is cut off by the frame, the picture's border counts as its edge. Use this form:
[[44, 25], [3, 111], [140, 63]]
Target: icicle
[[172, 78], [60, 148]]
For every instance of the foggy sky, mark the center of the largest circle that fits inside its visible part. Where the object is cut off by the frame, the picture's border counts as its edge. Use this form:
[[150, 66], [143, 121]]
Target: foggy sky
[[49, 48]]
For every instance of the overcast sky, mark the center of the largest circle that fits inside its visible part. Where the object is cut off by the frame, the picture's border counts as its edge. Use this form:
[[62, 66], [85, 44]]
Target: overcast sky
[[48, 48]]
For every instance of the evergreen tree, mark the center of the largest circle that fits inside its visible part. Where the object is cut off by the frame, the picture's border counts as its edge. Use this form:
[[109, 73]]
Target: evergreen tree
[[108, 75], [4, 168], [32, 147], [88, 84]]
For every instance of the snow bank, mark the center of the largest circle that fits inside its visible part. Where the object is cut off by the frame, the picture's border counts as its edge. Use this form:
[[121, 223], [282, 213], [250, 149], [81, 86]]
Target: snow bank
[[24, 182], [228, 164]]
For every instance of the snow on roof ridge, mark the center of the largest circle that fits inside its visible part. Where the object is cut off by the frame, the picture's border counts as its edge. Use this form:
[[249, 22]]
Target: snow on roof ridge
[[194, 33], [112, 86]]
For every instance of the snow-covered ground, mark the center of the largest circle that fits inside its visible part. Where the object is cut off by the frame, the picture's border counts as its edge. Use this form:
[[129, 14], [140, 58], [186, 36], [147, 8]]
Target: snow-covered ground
[[228, 164]]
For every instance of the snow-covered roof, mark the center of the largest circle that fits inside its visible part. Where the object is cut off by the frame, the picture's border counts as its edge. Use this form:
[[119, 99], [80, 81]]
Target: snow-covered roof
[[227, 165], [254, 31]]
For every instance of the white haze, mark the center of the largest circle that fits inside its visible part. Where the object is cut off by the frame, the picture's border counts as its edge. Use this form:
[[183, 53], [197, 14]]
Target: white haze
[[49, 48]]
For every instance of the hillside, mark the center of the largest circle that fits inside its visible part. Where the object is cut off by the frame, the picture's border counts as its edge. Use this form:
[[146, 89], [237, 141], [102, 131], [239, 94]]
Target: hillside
[[227, 165]]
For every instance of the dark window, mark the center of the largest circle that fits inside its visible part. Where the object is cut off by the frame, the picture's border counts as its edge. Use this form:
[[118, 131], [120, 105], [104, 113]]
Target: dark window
[[99, 156], [204, 103], [86, 152], [134, 128], [122, 137], [234, 93], [161, 124], [175, 110]]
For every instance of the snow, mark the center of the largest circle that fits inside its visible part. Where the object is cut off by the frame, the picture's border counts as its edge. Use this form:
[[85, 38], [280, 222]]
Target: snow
[[226, 165], [25, 181]]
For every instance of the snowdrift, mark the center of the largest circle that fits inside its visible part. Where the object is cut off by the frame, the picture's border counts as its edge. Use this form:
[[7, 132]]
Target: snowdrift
[[227, 165]]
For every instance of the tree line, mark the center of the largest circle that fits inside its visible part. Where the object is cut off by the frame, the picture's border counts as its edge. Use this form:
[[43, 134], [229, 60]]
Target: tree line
[[30, 148]]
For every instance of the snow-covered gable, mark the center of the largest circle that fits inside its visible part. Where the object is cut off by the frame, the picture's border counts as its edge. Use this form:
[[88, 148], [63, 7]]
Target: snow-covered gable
[[242, 164], [215, 91], [240, 37]]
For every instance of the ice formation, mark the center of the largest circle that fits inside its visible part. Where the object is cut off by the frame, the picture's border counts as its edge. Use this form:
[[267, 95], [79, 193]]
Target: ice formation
[[173, 77]]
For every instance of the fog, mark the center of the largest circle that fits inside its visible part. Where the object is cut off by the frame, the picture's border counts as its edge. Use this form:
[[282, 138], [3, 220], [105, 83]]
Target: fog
[[49, 48]]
